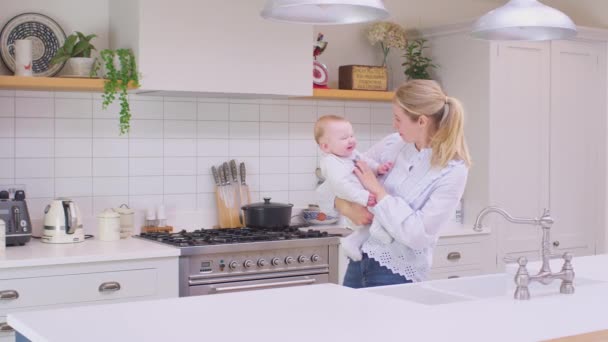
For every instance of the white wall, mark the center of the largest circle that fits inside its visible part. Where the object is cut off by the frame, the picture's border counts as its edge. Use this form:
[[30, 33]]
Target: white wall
[[64, 144]]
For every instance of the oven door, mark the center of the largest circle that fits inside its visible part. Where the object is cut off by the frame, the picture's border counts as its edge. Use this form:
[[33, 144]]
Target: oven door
[[258, 284]]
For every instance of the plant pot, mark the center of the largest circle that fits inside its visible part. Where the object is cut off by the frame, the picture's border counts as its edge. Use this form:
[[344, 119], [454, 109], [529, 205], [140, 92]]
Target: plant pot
[[80, 66]]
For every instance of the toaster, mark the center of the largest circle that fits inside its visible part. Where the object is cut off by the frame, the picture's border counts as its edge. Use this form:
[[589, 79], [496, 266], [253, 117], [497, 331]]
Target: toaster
[[17, 218]]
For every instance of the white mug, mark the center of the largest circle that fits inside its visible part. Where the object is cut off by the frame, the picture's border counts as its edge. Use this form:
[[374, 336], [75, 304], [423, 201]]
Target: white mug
[[23, 57]]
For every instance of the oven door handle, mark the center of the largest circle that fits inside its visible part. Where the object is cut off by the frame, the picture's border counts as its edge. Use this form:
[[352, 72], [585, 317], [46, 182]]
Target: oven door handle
[[221, 289]]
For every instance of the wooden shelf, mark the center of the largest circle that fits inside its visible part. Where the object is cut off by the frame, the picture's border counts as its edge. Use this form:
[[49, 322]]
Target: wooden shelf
[[356, 95], [52, 83]]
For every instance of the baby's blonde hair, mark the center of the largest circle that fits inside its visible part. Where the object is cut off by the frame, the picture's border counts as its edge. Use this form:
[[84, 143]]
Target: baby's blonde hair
[[322, 122]]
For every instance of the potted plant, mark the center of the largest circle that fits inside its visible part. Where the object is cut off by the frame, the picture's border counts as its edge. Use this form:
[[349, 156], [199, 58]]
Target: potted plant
[[120, 71], [416, 64], [76, 51], [389, 35]]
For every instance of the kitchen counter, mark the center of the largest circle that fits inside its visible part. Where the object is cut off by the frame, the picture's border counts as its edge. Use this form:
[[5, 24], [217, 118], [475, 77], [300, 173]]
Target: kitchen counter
[[329, 312], [36, 253], [452, 230]]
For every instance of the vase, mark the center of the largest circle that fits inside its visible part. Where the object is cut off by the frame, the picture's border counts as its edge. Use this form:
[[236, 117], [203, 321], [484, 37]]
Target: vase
[[80, 66]]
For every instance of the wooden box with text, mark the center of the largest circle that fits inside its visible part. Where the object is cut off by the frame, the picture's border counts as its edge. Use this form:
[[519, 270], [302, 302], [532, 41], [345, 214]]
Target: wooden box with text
[[362, 77]]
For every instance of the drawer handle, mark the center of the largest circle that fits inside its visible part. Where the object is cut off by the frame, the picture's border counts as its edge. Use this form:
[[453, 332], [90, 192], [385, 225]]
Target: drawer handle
[[110, 286], [9, 295], [453, 277], [454, 256], [5, 328]]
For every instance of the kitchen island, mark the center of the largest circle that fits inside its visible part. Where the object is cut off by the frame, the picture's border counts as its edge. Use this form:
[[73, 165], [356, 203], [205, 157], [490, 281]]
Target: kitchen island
[[472, 309]]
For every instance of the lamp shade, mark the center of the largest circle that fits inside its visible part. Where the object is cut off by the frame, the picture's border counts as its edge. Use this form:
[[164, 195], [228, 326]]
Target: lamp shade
[[324, 12], [524, 20]]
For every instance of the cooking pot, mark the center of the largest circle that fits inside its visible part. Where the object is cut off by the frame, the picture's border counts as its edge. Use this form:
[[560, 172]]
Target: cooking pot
[[267, 214]]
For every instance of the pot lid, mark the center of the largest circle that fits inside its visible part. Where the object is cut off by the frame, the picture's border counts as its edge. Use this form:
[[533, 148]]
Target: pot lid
[[108, 213], [124, 210], [267, 204]]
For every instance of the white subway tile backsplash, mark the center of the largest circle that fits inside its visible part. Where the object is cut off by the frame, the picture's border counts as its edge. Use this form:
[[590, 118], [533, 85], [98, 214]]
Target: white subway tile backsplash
[[303, 148], [184, 166], [73, 167], [110, 186], [252, 164], [253, 180], [180, 185], [302, 114], [7, 127], [73, 108], [244, 112], [146, 110], [7, 168], [176, 203], [213, 111], [35, 168], [180, 110], [213, 129], [274, 182], [274, 165], [34, 128], [180, 147], [7, 93], [302, 164], [36, 206], [146, 129], [146, 185], [364, 145], [111, 112], [38, 187], [213, 147], [326, 110], [244, 148], [145, 97], [382, 114], [212, 99], [359, 115], [303, 198], [106, 148], [146, 147], [104, 202], [73, 148], [180, 129], [244, 130], [146, 167], [34, 107], [74, 187], [107, 128], [274, 148], [274, 113], [74, 95], [381, 131], [7, 148], [7, 106], [73, 128], [329, 103], [205, 183], [34, 148], [302, 181], [34, 93], [110, 167], [275, 196], [274, 130], [362, 131], [301, 130], [204, 164]]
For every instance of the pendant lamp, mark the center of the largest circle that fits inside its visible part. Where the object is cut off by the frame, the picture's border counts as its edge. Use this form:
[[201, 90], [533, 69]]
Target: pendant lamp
[[324, 12], [524, 20]]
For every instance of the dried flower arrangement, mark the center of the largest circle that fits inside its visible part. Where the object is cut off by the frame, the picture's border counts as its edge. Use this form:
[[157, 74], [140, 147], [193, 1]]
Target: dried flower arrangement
[[389, 35]]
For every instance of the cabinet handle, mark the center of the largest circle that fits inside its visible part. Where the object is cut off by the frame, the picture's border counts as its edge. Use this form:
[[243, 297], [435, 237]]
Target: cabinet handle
[[556, 243], [454, 256], [5, 328], [9, 295], [453, 277], [109, 286]]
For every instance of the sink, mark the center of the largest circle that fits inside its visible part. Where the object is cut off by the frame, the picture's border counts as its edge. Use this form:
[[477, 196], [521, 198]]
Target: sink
[[448, 291]]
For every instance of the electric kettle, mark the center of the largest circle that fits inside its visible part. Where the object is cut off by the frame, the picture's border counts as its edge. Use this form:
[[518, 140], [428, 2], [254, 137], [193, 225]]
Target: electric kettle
[[62, 222]]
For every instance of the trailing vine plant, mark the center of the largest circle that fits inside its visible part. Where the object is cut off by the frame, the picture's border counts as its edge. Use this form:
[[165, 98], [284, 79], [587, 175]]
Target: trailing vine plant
[[118, 77]]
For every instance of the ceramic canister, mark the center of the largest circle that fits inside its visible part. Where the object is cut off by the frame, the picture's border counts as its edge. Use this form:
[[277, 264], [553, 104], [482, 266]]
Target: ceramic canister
[[126, 221], [109, 225]]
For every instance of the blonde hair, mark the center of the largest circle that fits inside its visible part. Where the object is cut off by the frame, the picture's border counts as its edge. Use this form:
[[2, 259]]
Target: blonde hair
[[322, 122], [425, 97]]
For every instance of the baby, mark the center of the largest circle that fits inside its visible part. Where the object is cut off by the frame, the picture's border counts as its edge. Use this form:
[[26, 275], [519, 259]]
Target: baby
[[335, 138]]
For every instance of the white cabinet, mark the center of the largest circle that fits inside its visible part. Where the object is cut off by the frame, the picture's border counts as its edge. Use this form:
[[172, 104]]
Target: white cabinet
[[536, 125], [193, 46], [47, 287]]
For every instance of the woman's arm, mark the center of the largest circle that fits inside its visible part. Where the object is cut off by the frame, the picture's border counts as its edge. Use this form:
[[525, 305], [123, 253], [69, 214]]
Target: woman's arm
[[356, 213]]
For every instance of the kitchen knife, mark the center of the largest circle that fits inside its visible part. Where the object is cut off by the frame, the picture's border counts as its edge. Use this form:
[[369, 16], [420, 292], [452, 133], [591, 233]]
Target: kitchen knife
[[245, 195], [224, 198], [219, 198], [237, 191], [230, 197]]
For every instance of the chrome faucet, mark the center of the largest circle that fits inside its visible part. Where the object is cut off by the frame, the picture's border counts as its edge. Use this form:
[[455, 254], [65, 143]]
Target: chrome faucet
[[544, 276]]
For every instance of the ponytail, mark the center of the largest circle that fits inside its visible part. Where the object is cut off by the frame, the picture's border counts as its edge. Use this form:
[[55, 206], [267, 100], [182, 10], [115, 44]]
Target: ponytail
[[425, 97]]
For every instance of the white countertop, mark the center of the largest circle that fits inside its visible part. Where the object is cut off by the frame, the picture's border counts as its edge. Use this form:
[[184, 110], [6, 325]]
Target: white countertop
[[36, 253], [452, 230], [330, 313]]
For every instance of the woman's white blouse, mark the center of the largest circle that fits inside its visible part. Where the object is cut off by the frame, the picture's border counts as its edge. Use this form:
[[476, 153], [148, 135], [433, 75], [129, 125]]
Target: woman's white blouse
[[421, 200]]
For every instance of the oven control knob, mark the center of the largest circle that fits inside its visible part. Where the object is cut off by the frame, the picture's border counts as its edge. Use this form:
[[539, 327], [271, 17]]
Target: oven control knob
[[302, 259], [274, 261], [261, 263], [232, 265], [289, 260], [248, 263], [315, 258]]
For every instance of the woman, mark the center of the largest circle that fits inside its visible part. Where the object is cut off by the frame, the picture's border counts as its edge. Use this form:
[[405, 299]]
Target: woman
[[419, 195]]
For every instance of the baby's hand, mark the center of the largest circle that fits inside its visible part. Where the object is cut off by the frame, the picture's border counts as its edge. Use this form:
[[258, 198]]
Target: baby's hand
[[384, 168], [371, 201]]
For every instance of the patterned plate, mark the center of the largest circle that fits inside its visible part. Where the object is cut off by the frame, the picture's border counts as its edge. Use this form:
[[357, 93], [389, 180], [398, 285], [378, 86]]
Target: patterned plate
[[46, 36]]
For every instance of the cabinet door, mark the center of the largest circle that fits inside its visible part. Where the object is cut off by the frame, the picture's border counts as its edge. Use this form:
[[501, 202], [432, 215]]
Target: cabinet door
[[519, 139], [578, 131], [219, 47]]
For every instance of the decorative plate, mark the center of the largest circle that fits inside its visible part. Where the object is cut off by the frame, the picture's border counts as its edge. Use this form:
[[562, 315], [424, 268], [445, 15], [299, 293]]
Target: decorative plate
[[46, 36], [319, 73]]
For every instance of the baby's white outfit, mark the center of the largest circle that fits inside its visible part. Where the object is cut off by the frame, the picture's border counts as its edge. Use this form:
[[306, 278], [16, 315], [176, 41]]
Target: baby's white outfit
[[344, 184]]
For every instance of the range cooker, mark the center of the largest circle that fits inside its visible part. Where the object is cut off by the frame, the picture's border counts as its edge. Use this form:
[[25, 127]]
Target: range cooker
[[237, 259]]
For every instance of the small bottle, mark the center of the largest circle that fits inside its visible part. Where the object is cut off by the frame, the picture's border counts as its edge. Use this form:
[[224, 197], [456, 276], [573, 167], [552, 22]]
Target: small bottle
[[161, 217], [150, 217]]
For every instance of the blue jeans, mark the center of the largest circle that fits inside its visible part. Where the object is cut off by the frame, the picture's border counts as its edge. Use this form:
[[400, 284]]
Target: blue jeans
[[369, 273]]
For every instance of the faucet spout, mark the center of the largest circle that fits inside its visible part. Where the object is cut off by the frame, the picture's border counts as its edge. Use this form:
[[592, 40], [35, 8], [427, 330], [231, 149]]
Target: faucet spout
[[493, 209]]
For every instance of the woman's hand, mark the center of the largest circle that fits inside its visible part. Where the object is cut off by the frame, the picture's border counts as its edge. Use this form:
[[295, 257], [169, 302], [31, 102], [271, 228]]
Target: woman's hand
[[368, 179], [356, 213]]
